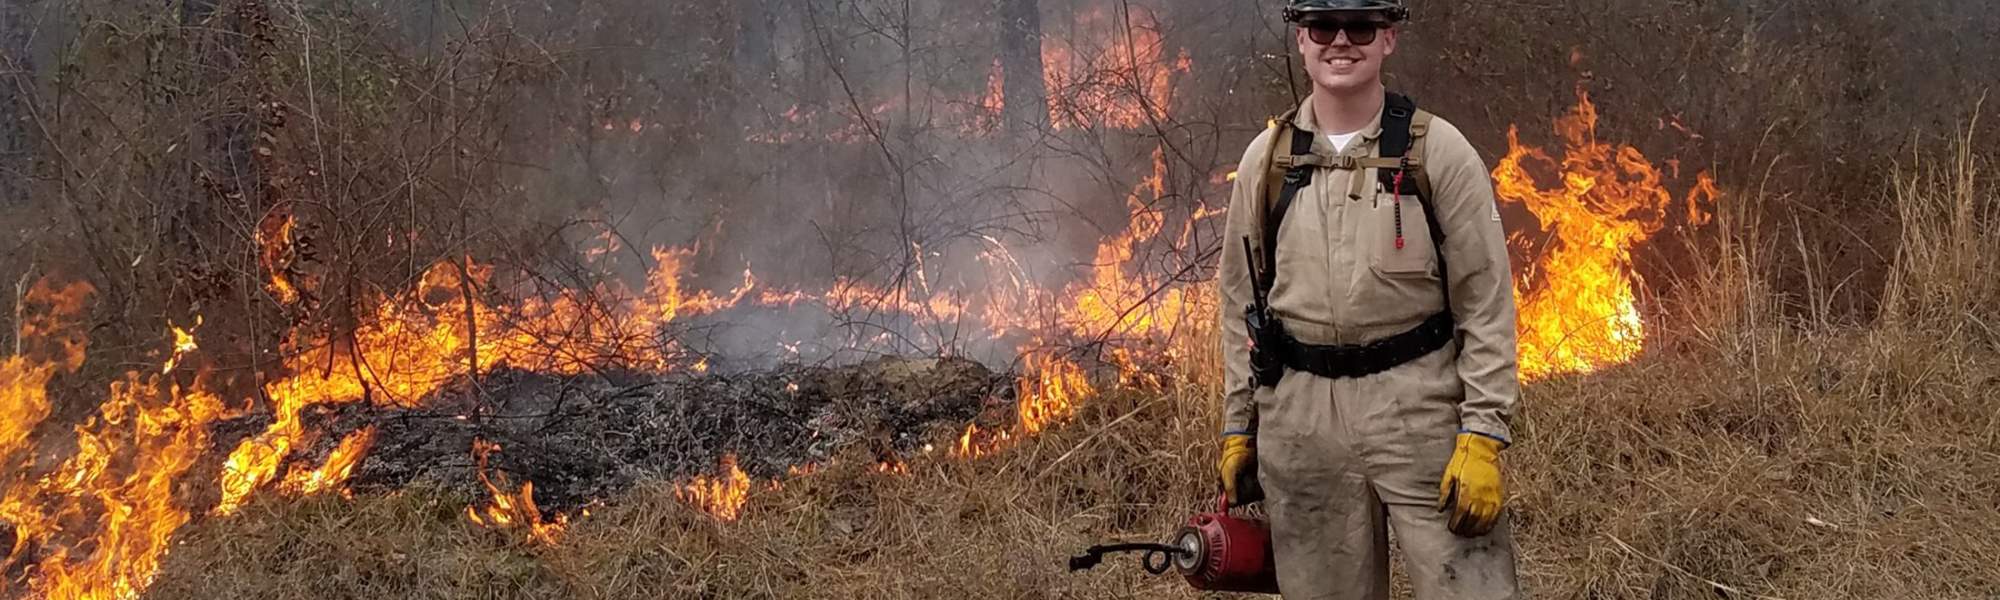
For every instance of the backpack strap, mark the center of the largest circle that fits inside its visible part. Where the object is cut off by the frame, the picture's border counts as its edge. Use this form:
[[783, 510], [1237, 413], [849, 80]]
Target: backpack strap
[[1295, 172], [1404, 129], [1398, 166]]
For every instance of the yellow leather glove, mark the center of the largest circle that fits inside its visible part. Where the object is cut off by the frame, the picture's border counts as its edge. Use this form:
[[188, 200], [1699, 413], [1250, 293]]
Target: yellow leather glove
[[1471, 486], [1239, 459]]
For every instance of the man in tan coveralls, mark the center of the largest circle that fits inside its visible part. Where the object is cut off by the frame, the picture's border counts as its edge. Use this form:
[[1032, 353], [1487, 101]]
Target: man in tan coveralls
[[1399, 373]]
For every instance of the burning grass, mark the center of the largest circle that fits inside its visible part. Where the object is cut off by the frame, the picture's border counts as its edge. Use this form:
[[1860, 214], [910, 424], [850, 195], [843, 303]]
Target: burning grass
[[1742, 456], [1838, 464]]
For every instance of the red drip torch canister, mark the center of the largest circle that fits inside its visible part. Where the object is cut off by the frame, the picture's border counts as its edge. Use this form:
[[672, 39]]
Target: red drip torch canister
[[1222, 553]]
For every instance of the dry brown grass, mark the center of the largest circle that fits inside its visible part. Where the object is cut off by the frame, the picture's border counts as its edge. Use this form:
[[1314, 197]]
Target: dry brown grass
[[1749, 456]]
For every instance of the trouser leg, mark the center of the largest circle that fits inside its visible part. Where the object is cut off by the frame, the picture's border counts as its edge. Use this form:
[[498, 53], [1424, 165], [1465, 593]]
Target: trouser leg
[[1409, 421], [1328, 528], [1445, 566]]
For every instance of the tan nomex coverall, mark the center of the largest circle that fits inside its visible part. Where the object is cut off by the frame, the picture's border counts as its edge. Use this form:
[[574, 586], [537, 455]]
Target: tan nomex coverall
[[1342, 461]]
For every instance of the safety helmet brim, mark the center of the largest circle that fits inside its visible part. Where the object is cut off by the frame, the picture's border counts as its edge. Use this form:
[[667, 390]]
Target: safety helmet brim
[[1393, 11]]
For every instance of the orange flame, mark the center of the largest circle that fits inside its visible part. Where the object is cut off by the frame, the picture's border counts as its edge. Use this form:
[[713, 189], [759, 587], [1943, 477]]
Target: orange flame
[[893, 466], [965, 447], [448, 328], [1579, 305], [113, 498], [992, 105], [339, 465], [115, 495], [722, 496], [274, 253], [512, 510], [153, 437], [1049, 390], [413, 345], [976, 442], [183, 344], [49, 343], [1110, 71], [1116, 303]]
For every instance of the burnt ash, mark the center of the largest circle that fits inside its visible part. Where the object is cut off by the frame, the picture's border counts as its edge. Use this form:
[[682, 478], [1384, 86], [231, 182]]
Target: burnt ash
[[582, 438]]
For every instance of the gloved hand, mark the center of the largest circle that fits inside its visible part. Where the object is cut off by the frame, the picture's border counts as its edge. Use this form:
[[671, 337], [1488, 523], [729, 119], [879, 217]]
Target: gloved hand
[[1471, 486], [1238, 469]]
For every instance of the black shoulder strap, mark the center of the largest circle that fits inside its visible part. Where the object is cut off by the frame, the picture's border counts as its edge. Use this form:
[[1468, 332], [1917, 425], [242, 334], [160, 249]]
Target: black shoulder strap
[[1296, 178], [1398, 111]]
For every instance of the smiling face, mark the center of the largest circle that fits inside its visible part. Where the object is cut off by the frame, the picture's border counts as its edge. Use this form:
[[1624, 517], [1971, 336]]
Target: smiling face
[[1338, 53]]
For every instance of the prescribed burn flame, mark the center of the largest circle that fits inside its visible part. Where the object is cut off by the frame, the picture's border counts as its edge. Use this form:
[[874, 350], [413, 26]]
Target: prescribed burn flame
[[1579, 300], [975, 442], [183, 344], [1111, 71], [990, 106], [275, 252], [1049, 391], [49, 344], [119, 489], [511, 510], [1122, 300], [97, 525], [724, 494], [442, 331], [339, 465]]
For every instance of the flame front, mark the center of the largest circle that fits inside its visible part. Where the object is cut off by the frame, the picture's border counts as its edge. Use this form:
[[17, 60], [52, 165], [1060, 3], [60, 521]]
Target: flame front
[[1050, 390], [275, 245], [509, 509], [1111, 71], [1579, 302], [976, 442], [115, 495], [96, 525], [724, 494], [338, 467], [411, 348], [183, 344]]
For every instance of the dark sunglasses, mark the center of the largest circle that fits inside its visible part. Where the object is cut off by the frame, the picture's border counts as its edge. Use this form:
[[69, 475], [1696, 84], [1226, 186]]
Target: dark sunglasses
[[1359, 33]]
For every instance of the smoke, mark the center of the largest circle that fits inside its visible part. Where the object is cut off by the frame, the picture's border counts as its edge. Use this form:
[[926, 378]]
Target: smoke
[[850, 147], [852, 143]]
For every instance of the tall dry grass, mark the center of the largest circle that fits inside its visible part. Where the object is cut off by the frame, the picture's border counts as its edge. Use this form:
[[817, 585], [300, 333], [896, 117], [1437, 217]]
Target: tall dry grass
[[1747, 455]]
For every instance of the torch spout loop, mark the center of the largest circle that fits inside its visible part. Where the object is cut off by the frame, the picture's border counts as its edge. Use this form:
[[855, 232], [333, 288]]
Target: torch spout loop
[[1158, 557]]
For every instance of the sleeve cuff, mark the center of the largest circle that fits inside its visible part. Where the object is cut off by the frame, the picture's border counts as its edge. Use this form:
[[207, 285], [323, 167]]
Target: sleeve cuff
[[1497, 432]]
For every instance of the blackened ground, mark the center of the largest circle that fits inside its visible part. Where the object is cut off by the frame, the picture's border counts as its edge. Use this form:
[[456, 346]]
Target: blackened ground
[[580, 438]]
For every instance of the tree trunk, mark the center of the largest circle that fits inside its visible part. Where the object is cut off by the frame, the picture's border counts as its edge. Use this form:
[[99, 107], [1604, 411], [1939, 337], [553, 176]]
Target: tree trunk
[[756, 51], [219, 60], [1026, 98], [221, 105], [17, 71]]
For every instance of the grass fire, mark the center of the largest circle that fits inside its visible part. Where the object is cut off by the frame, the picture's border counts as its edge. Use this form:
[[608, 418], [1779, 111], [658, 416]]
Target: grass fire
[[622, 299]]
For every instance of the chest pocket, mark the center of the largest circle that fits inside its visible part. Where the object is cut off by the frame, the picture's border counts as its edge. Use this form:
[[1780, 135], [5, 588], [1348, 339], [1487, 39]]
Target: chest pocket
[[1379, 230]]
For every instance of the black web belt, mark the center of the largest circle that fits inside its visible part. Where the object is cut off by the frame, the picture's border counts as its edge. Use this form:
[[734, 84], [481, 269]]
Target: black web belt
[[1358, 360]]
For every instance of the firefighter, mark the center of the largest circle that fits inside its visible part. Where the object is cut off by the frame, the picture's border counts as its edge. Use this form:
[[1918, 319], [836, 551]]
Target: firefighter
[[1368, 331]]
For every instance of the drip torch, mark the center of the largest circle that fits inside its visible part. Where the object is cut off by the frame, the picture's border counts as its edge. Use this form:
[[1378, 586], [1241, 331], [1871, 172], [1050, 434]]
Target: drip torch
[[1214, 551]]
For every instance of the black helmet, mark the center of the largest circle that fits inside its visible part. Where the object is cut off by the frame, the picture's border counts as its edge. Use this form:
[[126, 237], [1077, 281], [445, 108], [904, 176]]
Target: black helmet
[[1299, 9]]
